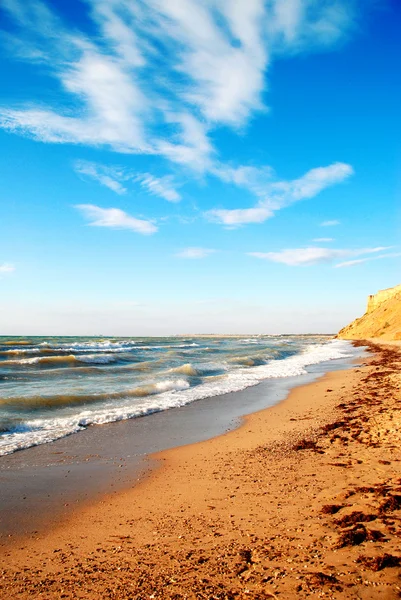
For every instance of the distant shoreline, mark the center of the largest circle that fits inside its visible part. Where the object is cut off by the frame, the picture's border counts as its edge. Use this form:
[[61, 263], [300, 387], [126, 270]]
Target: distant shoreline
[[240, 335]]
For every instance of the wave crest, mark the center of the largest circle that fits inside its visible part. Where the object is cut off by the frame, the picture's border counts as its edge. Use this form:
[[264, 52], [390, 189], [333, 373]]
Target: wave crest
[[186, 369], [70, 359]]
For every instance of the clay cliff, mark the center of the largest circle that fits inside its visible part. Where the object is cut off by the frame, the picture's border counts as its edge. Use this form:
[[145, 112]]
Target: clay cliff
[[381, 320]]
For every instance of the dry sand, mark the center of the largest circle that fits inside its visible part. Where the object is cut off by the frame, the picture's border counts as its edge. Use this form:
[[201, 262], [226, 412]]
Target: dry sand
[[304, 500]]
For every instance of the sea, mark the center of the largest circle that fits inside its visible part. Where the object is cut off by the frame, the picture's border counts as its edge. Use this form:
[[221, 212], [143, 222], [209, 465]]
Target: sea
[[52, 387]]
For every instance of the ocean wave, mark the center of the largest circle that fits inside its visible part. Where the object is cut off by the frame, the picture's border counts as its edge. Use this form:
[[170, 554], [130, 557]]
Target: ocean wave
[[167, 394], [82, 349], [18, 351], [96, 359], [16, 343], [40, 360], [202, 369], [248, 361], [94, 345], [32, 403], [47, 348], [186, 369], [68, 359]]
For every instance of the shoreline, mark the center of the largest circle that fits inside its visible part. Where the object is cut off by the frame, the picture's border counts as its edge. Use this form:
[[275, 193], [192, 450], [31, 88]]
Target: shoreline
[[242, 515], [45, 484]]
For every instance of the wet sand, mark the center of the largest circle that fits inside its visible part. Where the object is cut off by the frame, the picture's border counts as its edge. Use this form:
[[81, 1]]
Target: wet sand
[[303, 500]]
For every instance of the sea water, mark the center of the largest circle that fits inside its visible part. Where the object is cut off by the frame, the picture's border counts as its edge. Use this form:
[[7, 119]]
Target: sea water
[[52, 387]]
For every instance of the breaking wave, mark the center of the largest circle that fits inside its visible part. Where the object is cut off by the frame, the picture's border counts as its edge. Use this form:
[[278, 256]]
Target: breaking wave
[[187, 369], [68, 359], [65, 400]]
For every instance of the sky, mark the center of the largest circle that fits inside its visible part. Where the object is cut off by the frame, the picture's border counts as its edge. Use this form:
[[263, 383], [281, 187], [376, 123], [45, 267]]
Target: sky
[[197, 166]]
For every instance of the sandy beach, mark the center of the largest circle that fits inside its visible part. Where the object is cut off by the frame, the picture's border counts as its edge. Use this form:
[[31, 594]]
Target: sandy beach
[[303, 500], [200, 300]]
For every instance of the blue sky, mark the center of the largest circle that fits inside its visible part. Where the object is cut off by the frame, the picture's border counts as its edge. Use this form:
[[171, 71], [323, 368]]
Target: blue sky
[[219, 166]]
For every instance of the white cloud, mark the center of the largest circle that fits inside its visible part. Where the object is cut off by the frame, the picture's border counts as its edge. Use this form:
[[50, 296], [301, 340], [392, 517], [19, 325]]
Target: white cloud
[[313, 255], [190, 146], [115, 218], [298, 25], [115, 177], [274, 194], [322, 240], [182, 68], [227, 78], [351, 263], [98, 173], [240, 216], [195, 252], [108, 118], [158, 186], [255, 179], [7, 268], [314, 181], [332, 223]]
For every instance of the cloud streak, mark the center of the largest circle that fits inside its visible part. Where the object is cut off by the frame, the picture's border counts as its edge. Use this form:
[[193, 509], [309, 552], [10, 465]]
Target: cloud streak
[[158, 186], [115, 218], [332, 223], [104, 176], [7, 268], [313, 255], [117, 178], [273, 194], [352, 263], [195, 253]]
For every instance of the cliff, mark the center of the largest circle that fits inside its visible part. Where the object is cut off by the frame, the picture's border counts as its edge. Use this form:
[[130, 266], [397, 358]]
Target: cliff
[[381, 320]]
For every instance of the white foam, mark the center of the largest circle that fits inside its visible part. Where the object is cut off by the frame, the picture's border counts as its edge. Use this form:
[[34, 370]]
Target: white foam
[[171, 385], [114, 349], [56, 359], [96, 359], [22, 361], [17, 351], [103, 345]]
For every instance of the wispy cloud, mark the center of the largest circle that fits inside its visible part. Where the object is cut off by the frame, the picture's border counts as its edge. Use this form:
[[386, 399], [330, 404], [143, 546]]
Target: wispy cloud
[[158, 186], [351, 263], [332, 223], [111, 118], [313, 255], [116, 179], [195, 252], [181, 69], [274, 194], [7, 268], [115, 218], [101, 174], [240, 216]]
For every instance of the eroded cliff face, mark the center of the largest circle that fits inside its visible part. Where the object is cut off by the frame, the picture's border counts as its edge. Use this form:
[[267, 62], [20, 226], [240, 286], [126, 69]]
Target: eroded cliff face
[[381, 320]]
